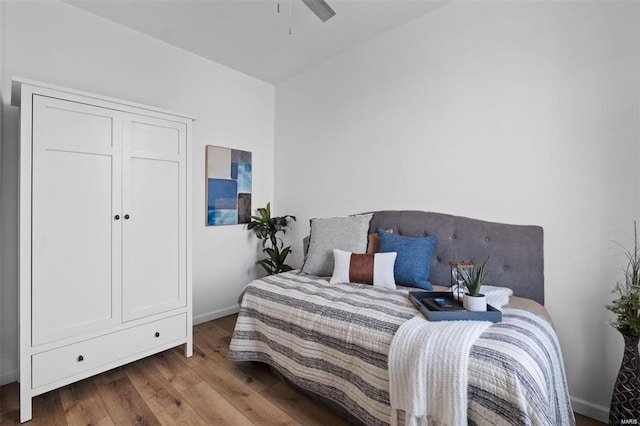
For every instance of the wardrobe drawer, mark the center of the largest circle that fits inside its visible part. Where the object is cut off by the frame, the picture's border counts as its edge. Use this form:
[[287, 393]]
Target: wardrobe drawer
[[67, 361]]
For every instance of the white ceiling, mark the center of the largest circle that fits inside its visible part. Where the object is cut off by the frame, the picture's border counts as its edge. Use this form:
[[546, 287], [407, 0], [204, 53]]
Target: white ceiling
[[251, 37]]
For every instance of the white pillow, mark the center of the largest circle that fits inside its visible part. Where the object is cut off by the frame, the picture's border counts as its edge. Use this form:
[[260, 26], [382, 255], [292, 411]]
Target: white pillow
[[371, 268], [497, 296]]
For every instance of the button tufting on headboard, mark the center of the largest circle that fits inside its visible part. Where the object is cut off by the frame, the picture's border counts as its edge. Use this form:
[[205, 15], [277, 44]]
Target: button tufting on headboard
[[515, 254]]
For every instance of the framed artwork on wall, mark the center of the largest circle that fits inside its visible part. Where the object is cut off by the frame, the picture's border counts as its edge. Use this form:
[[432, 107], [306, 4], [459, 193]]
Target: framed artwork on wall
[[228, 173]]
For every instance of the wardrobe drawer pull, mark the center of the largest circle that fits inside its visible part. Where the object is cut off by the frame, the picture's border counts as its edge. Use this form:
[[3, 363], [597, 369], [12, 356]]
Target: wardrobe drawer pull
[[80, 358], [157, 334]]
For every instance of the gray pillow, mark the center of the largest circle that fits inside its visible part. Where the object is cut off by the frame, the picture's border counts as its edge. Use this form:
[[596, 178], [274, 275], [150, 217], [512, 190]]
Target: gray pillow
[[348, 233]]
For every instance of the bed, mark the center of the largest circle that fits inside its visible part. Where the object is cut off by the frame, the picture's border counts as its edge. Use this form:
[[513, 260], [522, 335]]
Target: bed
[[334, 340]]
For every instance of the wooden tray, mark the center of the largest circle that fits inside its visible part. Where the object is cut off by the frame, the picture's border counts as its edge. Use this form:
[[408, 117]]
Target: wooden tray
[[423, 300]]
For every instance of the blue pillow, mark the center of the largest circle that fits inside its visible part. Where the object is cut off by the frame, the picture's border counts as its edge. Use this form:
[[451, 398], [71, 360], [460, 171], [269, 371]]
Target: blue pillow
[[413, 259]]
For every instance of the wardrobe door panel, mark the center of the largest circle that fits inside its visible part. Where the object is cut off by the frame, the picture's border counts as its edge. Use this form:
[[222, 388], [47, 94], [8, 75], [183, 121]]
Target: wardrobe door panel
[[154, 237], [159, 138], [76, 163]]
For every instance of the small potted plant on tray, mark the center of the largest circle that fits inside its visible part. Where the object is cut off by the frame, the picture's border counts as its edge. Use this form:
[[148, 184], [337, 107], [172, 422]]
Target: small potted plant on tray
[[267, 228], [473, 279]]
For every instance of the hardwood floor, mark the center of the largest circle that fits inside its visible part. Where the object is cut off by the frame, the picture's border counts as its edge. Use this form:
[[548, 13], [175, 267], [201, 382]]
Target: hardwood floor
[[169, 389]]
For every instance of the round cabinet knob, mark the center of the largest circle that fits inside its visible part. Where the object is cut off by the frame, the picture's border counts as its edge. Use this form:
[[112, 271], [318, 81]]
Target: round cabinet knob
[[80, 358], [126, 216], [117, 217], [157, 334]]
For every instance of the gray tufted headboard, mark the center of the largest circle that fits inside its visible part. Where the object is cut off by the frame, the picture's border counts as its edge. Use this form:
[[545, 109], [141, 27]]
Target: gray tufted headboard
[[515, 251]]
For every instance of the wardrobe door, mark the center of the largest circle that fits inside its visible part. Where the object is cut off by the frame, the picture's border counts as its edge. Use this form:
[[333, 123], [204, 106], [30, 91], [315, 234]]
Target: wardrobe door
[[75, 234], [154, 234]]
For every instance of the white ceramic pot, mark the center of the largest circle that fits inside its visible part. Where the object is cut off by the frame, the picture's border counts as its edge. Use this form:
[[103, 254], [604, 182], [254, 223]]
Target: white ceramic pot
[[475, 303]]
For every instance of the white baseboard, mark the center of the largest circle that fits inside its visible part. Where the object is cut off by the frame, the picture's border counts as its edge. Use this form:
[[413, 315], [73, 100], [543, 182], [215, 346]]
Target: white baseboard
[[590, 409], [209, 316], [7, 377]]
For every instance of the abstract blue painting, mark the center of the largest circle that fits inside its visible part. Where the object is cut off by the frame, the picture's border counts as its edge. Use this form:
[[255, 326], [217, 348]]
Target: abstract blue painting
[[228, 186]]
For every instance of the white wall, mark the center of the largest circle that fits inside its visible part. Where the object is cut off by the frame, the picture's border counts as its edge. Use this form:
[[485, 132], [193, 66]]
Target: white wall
[[57, 43], [3, 96], [517, 112]]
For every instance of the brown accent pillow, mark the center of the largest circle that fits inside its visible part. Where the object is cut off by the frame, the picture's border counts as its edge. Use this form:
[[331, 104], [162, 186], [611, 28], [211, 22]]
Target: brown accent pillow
[[374, 242]]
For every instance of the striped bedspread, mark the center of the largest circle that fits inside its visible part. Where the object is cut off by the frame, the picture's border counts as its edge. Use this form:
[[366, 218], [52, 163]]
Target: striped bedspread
[[334, 340]]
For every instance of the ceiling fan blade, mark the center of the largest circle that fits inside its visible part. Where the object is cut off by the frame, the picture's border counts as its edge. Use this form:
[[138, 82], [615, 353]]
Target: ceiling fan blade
[[320, 8]]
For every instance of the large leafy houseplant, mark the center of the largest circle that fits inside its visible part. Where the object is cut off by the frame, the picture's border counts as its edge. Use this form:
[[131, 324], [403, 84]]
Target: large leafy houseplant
[[267, 228], [627, 305], [625, 401]]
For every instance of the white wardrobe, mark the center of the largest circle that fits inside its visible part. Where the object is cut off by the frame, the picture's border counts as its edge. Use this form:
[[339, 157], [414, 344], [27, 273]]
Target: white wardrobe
[[105, 230]]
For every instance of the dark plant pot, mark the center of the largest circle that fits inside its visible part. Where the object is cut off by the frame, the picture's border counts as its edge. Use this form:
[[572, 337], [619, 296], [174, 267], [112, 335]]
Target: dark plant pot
[[625, 402]]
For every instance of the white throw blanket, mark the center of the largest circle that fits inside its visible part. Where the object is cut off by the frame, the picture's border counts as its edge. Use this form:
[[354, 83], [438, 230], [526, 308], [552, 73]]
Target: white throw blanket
[[428, 371]]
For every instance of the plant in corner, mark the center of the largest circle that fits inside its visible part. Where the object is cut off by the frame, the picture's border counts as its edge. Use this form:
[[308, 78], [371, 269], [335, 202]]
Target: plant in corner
[[267, 228], [625, 402], [473, 280]]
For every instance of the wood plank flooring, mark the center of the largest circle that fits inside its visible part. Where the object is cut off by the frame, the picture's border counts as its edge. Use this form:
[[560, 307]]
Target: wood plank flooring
[[169, 389]]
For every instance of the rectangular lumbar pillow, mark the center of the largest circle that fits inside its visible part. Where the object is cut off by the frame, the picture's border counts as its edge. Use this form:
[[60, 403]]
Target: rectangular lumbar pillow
[[368, 268], [347, 233], [413, 260]]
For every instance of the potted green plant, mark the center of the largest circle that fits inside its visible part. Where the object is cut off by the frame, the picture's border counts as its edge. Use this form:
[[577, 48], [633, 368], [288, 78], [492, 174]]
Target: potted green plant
[[625, 402], [267, 228], [473, 279]]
